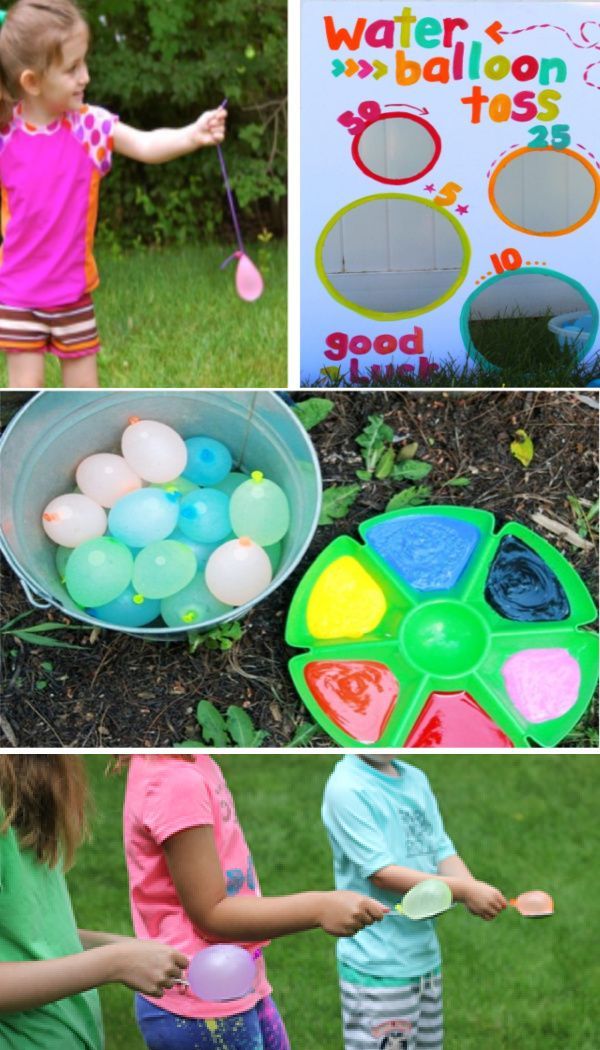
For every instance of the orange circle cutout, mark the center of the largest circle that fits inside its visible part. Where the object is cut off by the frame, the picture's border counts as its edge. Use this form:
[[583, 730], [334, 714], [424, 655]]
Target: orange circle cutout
[[526, 150]]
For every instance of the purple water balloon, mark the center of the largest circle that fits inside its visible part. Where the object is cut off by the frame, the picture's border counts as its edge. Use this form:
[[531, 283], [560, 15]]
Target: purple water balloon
[[221, 973]]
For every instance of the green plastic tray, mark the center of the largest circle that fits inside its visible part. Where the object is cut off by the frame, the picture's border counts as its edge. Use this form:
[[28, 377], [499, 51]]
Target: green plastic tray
[[451, 640]]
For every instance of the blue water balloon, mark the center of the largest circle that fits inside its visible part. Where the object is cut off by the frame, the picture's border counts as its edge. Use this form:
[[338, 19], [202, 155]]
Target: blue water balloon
[[144, 517], [129, 609], [209, 461], [204, 515]]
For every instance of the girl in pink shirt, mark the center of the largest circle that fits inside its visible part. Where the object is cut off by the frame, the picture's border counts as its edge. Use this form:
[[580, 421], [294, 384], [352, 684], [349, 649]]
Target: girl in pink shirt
[[54, 151], [192, 883]]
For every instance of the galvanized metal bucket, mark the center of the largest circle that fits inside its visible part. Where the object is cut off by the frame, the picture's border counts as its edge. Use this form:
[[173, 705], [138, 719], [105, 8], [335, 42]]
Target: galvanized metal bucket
[[56, 430]]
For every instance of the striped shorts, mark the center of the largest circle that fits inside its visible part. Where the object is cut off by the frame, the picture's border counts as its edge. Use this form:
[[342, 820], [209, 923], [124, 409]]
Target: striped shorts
[[408, 1017], [65, 331]]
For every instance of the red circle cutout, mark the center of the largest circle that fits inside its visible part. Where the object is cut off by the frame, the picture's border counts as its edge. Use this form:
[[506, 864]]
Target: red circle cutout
[[437, 143]]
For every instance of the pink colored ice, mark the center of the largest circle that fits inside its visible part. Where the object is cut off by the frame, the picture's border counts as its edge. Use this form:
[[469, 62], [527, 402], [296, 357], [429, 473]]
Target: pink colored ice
[[542, 683]]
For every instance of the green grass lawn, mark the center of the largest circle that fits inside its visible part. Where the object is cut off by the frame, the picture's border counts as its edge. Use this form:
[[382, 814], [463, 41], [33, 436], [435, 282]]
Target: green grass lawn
[[521, 822], [515, 351], [169, 317]]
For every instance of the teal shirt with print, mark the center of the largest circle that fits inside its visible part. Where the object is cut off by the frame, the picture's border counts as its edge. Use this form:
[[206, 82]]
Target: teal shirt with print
[[374, 820], [37, 923]]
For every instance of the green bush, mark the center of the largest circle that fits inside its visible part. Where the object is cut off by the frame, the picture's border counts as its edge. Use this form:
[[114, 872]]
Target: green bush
[[161, 63]]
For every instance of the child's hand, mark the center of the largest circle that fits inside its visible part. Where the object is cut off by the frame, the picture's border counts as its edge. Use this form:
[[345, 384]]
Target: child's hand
[[148, 967], [344, 912], [483, 900], [209, 129]]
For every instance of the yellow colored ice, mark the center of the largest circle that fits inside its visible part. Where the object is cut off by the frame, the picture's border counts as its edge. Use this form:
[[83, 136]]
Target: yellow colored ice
[[346, 602]]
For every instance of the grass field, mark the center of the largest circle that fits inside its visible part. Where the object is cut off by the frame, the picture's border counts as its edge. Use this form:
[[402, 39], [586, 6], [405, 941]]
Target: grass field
[[171, 318], [521, 822]]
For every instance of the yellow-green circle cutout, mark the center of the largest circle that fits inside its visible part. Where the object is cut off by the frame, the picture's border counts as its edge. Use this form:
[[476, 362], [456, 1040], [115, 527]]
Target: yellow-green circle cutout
[[378, 315]]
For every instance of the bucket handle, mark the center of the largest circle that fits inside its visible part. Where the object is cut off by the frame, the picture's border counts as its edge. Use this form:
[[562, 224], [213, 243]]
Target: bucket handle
[[32, 596]]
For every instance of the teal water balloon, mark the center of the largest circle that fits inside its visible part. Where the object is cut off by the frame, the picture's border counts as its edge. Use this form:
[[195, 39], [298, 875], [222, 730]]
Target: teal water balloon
[[273, 552], [260, 509], [231, 482], [204, 516], [209, 461], [163, 568], [192, 605], [98, 571], [144, 517], [129, 609]]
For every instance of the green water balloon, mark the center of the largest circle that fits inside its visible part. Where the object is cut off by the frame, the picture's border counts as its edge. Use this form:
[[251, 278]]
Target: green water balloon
[[163, 568], [259, 509], [426, 899], [98, 571]]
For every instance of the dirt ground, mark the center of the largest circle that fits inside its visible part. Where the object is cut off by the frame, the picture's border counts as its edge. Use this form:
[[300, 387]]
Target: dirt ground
[[121, 692]]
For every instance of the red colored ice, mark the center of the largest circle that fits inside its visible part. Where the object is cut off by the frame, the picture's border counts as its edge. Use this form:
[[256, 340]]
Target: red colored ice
[[357, 695], [455, 720]]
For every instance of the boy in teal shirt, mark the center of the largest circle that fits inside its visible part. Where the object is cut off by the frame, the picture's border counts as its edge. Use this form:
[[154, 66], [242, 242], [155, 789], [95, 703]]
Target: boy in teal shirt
[[387, 834]]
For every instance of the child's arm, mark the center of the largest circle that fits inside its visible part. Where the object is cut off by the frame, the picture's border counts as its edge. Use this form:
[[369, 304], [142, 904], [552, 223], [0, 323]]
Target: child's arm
[[196, 872], [144, 966], [163, 144], [480, 898]]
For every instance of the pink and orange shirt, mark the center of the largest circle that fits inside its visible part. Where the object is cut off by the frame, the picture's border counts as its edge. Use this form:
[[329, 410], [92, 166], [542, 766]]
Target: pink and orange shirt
[[166, 795], [50, 178]]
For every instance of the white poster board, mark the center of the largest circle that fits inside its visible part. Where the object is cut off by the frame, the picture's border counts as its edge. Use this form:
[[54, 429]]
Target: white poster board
[[450, 180]]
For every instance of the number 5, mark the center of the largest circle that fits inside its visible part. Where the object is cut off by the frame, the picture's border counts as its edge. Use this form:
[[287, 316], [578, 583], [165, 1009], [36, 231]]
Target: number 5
[[448, 194]]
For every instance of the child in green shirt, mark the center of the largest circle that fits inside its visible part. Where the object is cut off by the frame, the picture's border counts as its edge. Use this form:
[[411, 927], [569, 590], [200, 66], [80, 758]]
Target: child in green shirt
[[50, 970]]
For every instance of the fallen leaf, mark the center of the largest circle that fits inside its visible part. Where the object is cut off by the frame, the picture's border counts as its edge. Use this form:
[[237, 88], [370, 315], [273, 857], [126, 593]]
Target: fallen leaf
[[522, 448]]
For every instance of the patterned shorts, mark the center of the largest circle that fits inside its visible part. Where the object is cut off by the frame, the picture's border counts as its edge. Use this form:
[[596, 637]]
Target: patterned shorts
[[65, 331], [257, 1029], [393, 1018]]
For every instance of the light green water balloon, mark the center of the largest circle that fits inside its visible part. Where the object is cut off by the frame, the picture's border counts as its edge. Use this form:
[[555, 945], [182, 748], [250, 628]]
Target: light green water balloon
[[426, 899], [259, 509], [98, 571], [161, 569]]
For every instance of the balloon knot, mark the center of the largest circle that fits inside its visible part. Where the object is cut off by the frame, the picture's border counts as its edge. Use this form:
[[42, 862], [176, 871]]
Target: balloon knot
[[134, 419], [257, 476]]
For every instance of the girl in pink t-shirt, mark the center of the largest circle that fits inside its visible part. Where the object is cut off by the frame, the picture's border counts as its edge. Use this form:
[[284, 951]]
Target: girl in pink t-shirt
[[192, 883], [54, 151]]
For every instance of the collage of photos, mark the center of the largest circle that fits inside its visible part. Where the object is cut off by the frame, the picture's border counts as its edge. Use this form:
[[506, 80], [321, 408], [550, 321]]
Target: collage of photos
[[287, 567]]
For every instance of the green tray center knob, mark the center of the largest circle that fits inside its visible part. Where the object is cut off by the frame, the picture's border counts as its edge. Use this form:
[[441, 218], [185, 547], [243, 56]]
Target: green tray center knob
[[444, 637]]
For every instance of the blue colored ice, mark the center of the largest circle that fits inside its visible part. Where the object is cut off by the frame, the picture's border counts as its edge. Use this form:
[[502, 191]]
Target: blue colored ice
[[429, 552]]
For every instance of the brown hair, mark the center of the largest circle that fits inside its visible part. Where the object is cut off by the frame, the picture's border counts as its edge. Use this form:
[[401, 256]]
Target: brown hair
[[32, 37], [45, 800]]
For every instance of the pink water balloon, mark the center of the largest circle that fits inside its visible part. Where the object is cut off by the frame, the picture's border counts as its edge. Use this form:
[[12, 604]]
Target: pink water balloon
[[105, 478], [153, 450], [238, 571], [248, 279], [73, 518], [222, 973]]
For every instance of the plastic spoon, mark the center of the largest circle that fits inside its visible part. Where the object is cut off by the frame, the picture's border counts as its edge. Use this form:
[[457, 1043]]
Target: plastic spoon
[[248, 278]]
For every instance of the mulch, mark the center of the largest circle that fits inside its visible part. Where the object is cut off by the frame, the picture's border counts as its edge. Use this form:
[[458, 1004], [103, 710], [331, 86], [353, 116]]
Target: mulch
[[118, 691]]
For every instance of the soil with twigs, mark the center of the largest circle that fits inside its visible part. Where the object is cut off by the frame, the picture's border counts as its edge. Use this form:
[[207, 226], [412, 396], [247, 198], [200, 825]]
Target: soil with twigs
[[118, 691]]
